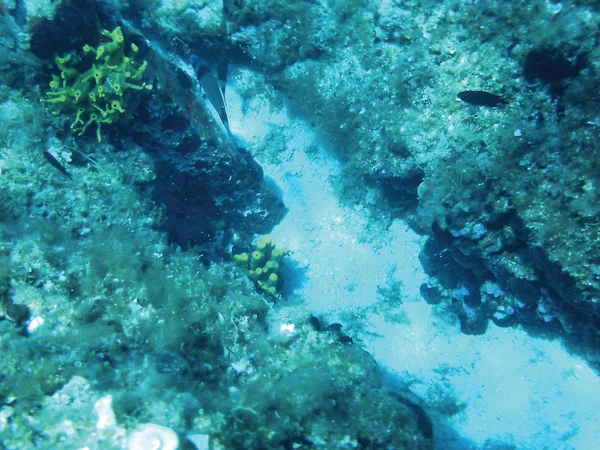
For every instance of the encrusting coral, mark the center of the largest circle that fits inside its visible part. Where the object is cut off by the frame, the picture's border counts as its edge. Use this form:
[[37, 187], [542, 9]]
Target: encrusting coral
[[99, 94]]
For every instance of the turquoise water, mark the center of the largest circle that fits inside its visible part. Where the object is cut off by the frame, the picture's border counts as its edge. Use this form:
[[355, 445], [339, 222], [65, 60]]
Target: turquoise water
[[426, 173]]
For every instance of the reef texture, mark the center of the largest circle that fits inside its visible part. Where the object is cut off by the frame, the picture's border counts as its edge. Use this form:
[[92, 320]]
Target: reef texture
[[124, 322], [120, 320], [210, 187], [507, 189]]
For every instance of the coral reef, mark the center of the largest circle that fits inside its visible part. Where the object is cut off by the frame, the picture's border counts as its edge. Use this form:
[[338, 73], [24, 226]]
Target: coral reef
[[112, 334], [175, 343], [121, 319], [171, 124], [507, 194]]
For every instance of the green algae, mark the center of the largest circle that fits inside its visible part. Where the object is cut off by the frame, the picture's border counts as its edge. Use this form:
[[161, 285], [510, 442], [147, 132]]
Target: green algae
[[116, 310], [384, 95]]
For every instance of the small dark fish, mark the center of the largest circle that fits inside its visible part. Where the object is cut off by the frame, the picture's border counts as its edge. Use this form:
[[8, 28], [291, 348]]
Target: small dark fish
[[210, 86], [345, 339], [335, 327], [58, 166], [315, 323], [481, 98]]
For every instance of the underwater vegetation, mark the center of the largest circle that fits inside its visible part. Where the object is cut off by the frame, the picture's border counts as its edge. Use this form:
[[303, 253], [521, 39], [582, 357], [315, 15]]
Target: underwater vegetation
[[124, 321], [504, 185], [99, 94], [123, 315]]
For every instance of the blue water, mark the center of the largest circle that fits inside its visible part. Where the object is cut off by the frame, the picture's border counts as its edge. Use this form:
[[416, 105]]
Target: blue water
[[427, 169]]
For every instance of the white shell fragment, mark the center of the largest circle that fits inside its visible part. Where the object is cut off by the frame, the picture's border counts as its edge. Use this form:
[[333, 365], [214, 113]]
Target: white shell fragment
[[34, 324], [150, 436], [106, 415]]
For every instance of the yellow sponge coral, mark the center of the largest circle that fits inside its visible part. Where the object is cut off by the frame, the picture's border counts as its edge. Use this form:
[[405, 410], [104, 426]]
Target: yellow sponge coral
[[99, 94], [264, 265]]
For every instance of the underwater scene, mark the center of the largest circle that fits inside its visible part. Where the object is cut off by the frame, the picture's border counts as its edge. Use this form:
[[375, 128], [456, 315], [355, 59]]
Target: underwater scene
[[299, 224]]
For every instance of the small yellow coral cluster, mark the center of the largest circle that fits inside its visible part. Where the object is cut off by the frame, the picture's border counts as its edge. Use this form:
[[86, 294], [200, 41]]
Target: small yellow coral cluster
[[99, 94], [264, 265]]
